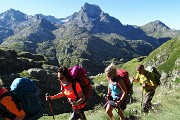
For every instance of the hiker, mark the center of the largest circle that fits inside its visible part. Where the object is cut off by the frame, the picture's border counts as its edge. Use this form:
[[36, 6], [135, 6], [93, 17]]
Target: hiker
[[116, 92], [12, 112], [77, 102], [147, 81]]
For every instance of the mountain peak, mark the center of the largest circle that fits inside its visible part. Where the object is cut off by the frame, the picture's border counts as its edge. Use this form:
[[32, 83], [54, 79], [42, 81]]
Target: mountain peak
[[91, 10], [12, 10], [14, 15], [159, 23]]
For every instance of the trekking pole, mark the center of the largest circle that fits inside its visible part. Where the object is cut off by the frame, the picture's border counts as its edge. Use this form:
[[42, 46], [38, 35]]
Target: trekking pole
[[50, 104], [104, 106], [142, 102]]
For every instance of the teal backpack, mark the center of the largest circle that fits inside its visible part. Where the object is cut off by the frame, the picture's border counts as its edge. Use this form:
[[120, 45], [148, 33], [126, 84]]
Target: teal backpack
[[28, 94]]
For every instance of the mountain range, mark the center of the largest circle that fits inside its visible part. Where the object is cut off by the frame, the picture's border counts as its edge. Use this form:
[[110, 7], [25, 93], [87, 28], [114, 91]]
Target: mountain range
[[89, 37]]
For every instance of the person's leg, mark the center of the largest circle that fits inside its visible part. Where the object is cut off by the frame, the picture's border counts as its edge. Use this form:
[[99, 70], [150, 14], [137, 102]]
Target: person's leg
[[123, 105], [150, 99], [109, 109], [147, 102], [82, 115], [121, 115], [74, 116]]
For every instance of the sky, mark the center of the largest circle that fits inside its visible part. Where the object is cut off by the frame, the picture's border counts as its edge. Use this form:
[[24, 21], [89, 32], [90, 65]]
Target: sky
[[132, 12]]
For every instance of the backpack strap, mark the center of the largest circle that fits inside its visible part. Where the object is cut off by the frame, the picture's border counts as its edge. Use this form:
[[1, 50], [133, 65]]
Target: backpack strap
[[74, 89], [117, 81], [4, 112], [14, 99], [148, 77]]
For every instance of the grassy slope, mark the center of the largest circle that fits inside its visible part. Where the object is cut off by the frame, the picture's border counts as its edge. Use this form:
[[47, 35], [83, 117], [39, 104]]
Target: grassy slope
[[169, 110], [170, 49]]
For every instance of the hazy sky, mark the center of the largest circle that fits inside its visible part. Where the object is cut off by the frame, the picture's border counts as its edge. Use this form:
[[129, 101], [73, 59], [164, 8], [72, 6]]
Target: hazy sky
[[132, 12]]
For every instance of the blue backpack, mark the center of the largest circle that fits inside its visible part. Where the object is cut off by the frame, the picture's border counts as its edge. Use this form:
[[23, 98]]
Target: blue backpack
[[28, 94]]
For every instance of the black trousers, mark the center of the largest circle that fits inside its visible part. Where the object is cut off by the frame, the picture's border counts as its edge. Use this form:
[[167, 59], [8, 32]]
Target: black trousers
[[78, 114]]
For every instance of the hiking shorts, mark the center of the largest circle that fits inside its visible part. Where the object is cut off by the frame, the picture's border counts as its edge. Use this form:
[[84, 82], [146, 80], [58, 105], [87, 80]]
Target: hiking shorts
[[78, 114], [122, 106]]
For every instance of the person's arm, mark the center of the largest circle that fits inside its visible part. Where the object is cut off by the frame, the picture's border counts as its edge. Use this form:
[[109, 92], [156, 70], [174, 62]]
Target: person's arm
[[136, 79], [59, 95], [109, 91], [108, 96], [124, 91], [81, 99], [80, 95]]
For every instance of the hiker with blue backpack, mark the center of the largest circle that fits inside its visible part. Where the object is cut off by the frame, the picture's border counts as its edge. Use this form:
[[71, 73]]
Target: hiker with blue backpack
[[149, 85], [22, 101], [75, 97], [8, 109], [117, 92]]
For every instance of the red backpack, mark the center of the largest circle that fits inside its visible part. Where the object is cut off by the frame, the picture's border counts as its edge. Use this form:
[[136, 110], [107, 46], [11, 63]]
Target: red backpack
[[78, 74], [125, 76]]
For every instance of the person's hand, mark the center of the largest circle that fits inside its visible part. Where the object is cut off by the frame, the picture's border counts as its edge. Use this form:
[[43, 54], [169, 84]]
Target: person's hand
[[74, 103], [118, 103], [108, 97], [47, 97], [132, 79], [143, 84]]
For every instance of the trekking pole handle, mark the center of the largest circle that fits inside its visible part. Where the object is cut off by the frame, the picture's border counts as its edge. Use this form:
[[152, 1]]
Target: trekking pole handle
[[47, 97]]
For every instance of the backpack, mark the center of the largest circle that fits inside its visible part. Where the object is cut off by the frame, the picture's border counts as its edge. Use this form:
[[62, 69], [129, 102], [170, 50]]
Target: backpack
[[156, 74], [125, 76], [27, 93], [4, 112], [78, 74]]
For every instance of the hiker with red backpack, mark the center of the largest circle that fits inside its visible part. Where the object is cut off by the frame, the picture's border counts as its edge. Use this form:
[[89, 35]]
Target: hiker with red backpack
[[116, 92], [76, 100], [8, 109], [149, 85]]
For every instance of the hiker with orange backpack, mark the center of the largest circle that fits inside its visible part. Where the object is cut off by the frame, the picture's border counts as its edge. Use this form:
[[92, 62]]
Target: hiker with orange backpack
[[116, 92], [148, 83], [77, 101], [8, 109]]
